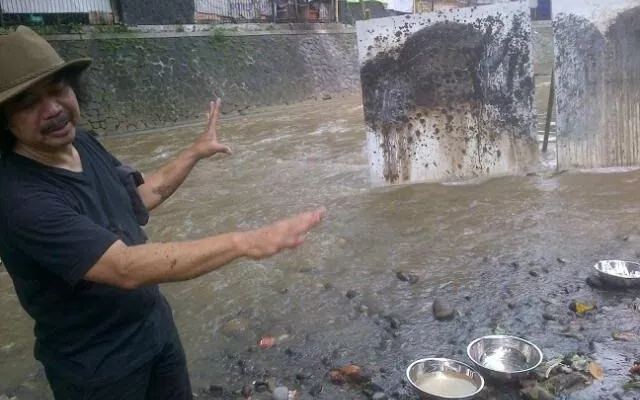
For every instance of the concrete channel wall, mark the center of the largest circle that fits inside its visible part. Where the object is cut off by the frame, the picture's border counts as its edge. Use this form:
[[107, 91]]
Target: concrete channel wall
[[597, 59], [152, 79]]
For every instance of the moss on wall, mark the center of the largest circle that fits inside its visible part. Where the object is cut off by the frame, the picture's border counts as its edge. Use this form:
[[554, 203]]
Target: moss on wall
[[141, 83]]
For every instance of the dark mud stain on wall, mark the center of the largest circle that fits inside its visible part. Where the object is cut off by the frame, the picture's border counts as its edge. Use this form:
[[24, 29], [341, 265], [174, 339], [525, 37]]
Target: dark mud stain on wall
[[447, 71], [579, 66], [598, 93]]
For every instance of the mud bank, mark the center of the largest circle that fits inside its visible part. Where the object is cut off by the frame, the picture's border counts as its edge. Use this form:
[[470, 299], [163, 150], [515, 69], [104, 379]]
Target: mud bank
[[538, 296]]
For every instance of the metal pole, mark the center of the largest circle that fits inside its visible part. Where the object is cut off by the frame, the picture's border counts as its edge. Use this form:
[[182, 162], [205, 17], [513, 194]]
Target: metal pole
[[547, 127], [337, 15]]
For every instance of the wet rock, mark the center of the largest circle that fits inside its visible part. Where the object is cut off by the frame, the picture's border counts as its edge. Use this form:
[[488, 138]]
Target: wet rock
[[393, 322], [442, 311], [549, 317], [284, 290], [214, 390], [326, 97], [351, 294], [561, 260], [302, 376], [407, 277], [595, 282], [533, 273], [281, 393], [261, 387], [316, 389]]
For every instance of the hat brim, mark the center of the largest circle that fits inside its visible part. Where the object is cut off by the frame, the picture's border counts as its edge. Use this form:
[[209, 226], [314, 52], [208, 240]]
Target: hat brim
[[80, 64]]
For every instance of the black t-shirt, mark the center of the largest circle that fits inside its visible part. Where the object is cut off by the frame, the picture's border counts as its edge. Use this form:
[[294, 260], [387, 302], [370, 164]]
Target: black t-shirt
[[54, 226]]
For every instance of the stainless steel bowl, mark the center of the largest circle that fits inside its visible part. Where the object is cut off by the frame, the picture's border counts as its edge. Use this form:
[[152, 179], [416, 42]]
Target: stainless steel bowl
[[459, 380], [618, 272], [503, 357]]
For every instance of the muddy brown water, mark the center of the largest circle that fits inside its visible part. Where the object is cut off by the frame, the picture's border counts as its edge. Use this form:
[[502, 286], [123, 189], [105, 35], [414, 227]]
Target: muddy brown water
[[472, 245]]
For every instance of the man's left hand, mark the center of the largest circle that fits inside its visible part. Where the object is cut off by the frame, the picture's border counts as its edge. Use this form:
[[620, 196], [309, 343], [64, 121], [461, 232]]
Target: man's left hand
[[207, 144]]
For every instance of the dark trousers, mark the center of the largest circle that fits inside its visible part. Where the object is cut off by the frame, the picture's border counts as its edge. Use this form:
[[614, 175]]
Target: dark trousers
[[164, 378]]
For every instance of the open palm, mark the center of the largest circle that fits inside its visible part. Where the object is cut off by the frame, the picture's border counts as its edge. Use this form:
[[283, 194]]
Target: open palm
[[207, 144]]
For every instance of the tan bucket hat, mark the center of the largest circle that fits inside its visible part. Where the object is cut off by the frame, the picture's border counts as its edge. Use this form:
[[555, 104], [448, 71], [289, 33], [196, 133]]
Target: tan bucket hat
[[26, 58]]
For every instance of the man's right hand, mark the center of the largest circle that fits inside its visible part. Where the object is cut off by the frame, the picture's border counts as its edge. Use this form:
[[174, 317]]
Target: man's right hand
[[284, 234]]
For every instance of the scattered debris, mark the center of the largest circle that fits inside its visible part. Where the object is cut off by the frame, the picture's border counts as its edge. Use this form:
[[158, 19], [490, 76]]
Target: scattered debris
[[562, 374], [634, 381], [407, 277], [624, 336], [580, 307], [267, 341], [351, 374]]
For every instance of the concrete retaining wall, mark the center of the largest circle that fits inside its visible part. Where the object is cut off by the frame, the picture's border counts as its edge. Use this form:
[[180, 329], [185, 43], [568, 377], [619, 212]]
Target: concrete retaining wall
[[149, 80], [597, 58]]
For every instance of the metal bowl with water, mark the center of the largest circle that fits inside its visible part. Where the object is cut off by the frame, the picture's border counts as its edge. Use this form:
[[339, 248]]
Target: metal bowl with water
[[443, 378], [504, 357], [619, 272]]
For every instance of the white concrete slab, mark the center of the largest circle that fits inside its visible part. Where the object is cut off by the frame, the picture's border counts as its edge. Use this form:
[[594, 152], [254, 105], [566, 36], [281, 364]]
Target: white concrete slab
[[448, 95]]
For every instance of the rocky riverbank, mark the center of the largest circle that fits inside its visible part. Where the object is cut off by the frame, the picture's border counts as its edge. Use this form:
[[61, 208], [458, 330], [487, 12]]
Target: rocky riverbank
[[587, 331]]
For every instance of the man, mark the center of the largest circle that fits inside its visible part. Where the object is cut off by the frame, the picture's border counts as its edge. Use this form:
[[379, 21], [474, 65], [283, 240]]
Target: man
[[70, 237]]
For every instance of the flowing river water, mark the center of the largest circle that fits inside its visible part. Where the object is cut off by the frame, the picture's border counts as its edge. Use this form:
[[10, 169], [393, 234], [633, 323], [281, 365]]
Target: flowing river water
[[502, 251]]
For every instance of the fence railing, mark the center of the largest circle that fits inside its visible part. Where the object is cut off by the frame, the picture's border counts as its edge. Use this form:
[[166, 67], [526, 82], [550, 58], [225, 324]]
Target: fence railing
[[56, 12], [237, 11]]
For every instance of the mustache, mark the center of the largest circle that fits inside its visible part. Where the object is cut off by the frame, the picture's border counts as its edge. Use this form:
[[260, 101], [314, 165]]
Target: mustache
[[56, 123]]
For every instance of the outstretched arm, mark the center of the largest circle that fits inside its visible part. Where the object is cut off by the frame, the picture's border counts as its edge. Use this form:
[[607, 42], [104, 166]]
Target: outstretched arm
[[160, 186], [131, 267]]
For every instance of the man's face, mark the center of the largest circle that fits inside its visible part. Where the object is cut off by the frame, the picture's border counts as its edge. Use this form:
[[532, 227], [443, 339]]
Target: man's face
[[44, 117]]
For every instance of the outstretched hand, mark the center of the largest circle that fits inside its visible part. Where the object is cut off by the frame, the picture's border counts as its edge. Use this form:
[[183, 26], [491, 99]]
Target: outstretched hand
[[207, 144], [287, 233]]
